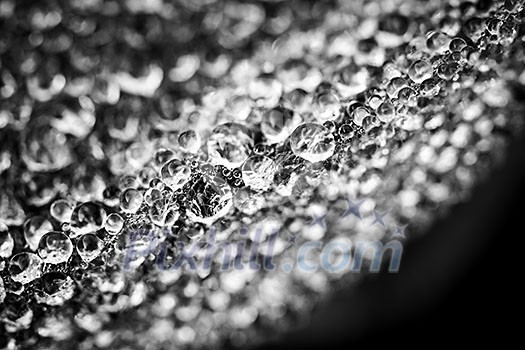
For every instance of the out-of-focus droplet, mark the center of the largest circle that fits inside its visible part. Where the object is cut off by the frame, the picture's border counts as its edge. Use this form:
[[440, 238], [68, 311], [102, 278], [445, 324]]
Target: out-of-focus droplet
[[229, 145], [45, 149], [25, 267], [89, 247], [327, 106], [175, 174], [87, 217], [276, 124], [114, 223], [258, 172], [265, 91], [185, 68], [238, 108], [247, 201], [190, 141], [312, 142], [145, 85], [34, 229], [131, 200], [386, 112], [55, 248], [6, 241]]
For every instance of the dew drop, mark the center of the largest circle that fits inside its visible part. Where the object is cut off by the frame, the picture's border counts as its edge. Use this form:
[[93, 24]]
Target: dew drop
[[34, 229], [131, 200], [114, 224], [55, 248], [25, 267], [175, 174], [229, 145], [313, 142], [89, 246]]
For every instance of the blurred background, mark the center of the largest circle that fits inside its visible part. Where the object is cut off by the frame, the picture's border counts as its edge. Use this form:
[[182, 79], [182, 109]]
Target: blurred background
[[459, 282]]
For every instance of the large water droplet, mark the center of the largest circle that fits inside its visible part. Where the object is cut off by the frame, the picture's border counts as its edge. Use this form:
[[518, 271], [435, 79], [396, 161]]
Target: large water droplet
[[25, 267], [229, 145], [312, 142], [258, 172], [55, 248], [209, 199], [57, 288]]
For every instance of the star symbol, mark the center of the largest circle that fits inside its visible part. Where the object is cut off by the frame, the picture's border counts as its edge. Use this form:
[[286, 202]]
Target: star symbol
[[379, 218], [353, 209], [292, 239], [318, 220], [400, 231]]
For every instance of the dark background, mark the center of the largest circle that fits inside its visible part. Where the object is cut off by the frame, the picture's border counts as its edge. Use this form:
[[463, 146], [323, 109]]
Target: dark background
[[460, 282]]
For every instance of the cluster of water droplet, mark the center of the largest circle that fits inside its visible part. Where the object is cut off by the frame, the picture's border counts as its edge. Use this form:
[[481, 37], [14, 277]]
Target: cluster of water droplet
[[237, 115]]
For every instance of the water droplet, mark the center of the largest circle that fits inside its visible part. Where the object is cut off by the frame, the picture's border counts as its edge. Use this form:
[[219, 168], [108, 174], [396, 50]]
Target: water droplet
[[162, 213], [45, 149], [2, 290], [238, 107], [190, 141], [61, 210], [34, 229], [57, 288], [25, 267], [114, 224], [386, 112], [131, 200], [229, 145], [87, 217], [457, 44], [175, 174], [327, 107], [258, 172], [247, 201], [312, 142], [55, 248], [209, 200], [419, 71], [394, 85], [6, 241], [89, 246], [438, 42], [276, 124]]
